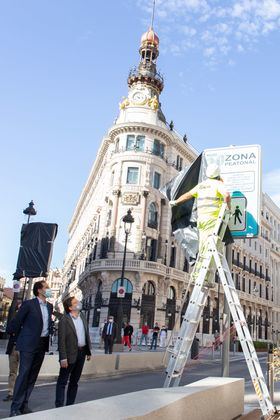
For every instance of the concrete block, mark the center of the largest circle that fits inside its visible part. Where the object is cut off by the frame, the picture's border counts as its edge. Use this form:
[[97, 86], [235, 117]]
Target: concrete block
[[208, 399]]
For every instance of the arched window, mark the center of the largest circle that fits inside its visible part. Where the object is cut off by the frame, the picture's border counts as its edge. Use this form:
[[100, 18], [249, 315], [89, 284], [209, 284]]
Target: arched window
[[148, 289], [126, 283], [171, 293], [153, 216]]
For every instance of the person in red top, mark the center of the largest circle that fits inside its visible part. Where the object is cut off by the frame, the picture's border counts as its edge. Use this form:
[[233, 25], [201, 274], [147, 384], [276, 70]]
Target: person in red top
[[144, 336]]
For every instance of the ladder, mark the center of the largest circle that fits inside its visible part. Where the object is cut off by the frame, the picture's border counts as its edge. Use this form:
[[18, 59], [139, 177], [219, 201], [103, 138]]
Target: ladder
[[203, 275]]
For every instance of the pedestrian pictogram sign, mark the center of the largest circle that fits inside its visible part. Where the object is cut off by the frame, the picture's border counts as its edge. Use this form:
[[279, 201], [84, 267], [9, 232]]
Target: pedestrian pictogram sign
[[241, 173], [238, 210]]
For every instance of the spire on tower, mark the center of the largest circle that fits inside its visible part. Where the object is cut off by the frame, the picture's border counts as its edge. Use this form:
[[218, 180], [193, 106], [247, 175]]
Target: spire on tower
[[149, 52], [153, 14]]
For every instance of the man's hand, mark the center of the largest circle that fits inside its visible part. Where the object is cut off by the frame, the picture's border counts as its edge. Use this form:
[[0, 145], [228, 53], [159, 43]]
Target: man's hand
[[172, 203], [88, 357], [64, 364]]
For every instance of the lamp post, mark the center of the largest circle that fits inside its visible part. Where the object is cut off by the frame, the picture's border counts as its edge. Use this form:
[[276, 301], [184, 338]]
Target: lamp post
[[29, 211], [128, 220]]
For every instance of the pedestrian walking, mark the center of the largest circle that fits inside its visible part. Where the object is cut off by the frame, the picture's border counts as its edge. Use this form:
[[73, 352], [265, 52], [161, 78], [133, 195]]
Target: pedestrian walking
[[216, 339], [156, 330], [163, 336], [31, 326], [100, 333], [74, 347], [144, 336], [127, 334], [109, 334]]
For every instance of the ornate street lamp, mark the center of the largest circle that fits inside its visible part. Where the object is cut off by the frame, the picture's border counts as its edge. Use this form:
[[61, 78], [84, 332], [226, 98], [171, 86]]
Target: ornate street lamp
[[128, 220], [30, 211]]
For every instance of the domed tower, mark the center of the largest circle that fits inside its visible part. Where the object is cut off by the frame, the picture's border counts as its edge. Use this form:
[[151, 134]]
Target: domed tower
[[145, 83], [147, 71]]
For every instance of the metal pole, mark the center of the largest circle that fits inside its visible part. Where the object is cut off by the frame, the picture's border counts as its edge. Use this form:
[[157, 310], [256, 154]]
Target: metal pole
[[120, 305], [226, 322], [218, 306], [270, 373], [29, 289]]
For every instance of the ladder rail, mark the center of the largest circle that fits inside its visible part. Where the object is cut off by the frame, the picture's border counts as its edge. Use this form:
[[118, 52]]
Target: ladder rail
[[214, 257], [244, 335]]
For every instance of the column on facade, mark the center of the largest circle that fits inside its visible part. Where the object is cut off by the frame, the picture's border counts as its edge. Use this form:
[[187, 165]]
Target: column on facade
[[143, 221], [143, 213], [116, 194]]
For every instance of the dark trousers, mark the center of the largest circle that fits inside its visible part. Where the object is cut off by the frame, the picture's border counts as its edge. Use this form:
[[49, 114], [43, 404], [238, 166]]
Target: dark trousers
[[73, 371], [108, 344], [29, 367], [154, 342]]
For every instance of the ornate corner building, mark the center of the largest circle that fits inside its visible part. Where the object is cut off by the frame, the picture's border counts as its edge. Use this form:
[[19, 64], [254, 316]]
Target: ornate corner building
[[140, 153]]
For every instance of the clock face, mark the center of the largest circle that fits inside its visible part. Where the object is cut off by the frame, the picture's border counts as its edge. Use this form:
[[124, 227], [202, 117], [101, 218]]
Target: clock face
[[139, 97]]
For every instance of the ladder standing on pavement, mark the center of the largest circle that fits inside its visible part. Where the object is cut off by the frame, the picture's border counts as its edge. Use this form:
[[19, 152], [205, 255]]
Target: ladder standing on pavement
[[203, 275]]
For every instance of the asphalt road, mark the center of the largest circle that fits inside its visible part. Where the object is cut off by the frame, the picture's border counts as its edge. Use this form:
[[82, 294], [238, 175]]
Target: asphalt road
[[43, 395]]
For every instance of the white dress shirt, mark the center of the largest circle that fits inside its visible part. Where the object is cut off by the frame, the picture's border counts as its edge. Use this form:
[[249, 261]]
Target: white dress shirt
[[45, 316], [80, 330]]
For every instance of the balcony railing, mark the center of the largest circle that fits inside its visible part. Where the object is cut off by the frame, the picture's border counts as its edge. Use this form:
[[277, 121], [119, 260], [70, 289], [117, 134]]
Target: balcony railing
[[134, 265], [134, 72]]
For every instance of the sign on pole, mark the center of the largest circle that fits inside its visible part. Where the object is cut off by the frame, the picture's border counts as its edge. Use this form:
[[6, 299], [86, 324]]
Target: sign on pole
[[241, 173], [121, 292], [16, 286]]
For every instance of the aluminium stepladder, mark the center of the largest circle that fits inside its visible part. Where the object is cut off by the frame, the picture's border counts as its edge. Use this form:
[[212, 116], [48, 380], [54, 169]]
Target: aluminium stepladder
[[211, 259]]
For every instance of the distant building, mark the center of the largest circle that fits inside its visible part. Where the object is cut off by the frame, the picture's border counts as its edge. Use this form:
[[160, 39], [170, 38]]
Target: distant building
[[6, 303]]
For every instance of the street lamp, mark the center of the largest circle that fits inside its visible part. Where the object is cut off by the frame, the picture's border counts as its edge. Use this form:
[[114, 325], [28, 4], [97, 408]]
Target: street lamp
[[30, 211], [128, 220]]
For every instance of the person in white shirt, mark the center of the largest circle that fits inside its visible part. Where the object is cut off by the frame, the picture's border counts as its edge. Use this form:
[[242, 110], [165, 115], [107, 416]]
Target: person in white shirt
[[74, 347]]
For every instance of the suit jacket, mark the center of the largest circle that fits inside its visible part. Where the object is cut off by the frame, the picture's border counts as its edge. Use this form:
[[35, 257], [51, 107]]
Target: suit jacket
[[114, 330], [68, 340], [28, 324]]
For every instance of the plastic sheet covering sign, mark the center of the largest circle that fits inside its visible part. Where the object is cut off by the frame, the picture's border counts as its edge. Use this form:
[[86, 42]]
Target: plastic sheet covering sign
[[241, 172]]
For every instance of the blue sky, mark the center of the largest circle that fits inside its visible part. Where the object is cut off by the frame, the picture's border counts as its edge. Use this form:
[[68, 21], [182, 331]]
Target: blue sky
[[63, 72]]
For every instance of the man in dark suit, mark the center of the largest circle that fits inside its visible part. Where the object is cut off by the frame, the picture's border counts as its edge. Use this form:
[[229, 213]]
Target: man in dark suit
[[74, 347], [109, 334], [31, 326]]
